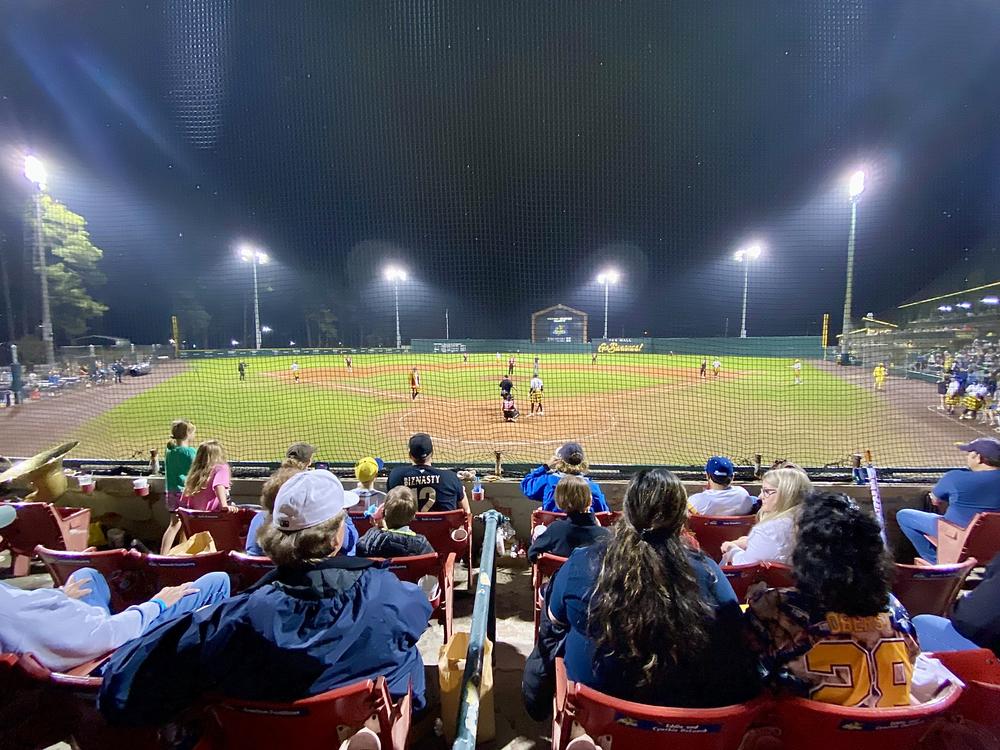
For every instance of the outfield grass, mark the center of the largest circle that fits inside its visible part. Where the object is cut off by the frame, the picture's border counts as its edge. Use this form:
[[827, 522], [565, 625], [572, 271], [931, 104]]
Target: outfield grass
[[639, 407]]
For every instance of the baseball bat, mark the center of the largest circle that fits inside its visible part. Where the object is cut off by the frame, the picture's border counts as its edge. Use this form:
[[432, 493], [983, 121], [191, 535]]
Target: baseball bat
[[876, 495]]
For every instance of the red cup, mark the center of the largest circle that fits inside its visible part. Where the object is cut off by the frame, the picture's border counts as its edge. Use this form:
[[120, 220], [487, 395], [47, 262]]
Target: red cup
[[87, 485]]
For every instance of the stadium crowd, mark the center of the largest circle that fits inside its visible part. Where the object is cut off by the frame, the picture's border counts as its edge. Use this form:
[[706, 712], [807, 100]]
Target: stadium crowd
[[637, 611]]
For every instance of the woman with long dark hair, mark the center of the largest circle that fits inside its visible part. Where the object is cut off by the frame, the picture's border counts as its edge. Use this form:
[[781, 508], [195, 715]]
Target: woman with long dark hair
[[648, 618], [839, 636]]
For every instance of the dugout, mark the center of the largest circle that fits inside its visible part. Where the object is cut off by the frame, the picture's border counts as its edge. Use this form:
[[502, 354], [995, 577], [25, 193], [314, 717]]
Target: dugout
[[559, 324]]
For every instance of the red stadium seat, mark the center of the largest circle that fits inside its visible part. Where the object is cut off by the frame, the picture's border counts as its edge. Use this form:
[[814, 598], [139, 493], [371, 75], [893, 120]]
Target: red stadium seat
[[44, 524], [776, 575], [123, 570], [41, 708], [441, 530], [173, 570], [614, 723], [980, 539], [246, 570], [543, 569], [822, 726], [712, 531], [413, 568], [228, 530], [322, 721], [361, 522], [742, 577], [930, 589], [979, 669]]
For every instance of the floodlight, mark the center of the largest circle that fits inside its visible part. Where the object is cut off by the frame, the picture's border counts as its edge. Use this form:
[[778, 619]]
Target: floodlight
[[990, 300], [964, 305], [750, 252], [265, 329], [944, 308], [234, 342], [608, 276], [856, 185], [395, 273], [291, 343], [34, 170]]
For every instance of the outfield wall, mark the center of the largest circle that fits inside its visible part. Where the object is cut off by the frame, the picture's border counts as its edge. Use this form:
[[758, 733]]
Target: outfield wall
[[802, 347]]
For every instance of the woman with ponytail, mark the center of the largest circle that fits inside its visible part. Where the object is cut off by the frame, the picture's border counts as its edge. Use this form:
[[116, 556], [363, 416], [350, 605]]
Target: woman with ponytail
[[648, 619]]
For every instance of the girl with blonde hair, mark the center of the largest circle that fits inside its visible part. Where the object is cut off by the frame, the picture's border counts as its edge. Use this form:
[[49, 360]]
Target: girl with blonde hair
[[782, 492], [209, 480]]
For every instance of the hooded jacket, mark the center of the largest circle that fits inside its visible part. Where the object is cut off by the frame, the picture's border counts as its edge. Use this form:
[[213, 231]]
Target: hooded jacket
[[297, 633], [540, 484], [378, 542]]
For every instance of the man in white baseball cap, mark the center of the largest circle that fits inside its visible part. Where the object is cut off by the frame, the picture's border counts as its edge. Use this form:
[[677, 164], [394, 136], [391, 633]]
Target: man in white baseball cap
[[317, 622]]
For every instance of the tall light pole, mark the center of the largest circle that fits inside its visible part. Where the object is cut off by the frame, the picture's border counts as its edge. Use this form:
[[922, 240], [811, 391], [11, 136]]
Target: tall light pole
[[744, 256], [855, 187], [34, 170], [395, 274], [607, 277], [255, 258]]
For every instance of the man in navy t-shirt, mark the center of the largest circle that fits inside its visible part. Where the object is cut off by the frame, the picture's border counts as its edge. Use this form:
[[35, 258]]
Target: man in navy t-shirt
[[962, 493], [436, 490]]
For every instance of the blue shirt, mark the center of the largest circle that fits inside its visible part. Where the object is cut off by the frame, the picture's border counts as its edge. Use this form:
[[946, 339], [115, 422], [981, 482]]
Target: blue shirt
[[540, 484], [252, 548], [967, 493], [723, 674]]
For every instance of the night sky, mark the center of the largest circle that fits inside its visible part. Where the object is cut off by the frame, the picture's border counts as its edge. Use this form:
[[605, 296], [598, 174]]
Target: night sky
[[504, 152]]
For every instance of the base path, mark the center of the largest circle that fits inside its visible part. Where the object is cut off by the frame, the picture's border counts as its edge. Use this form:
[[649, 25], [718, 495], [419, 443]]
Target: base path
[[33, 426]]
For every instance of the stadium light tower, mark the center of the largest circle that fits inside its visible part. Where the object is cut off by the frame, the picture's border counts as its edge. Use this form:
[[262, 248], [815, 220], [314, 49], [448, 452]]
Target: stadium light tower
[[255, 258], [395, 274], [744, 256], [607, 277], [855, 187], [34, 170]]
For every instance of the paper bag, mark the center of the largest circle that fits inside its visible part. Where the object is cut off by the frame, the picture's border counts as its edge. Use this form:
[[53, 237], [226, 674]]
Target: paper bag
[[196, 544], [451, 667]]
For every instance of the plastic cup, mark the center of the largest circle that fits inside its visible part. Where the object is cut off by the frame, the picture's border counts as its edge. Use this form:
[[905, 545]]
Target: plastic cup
[[459, 535], [87, 484], [140, 486]]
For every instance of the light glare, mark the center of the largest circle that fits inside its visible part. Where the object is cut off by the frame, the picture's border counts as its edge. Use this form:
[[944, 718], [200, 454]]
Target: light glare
[[991, 300], [395, 273], [34, 170], [751, 252], [608, 276], [856, 185]]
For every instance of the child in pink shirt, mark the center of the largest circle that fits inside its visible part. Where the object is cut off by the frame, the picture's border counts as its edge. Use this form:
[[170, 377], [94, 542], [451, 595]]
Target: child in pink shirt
[[208, 480]]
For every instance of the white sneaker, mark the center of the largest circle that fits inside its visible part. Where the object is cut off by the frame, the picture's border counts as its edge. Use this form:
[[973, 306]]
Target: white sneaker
[[365, 739]]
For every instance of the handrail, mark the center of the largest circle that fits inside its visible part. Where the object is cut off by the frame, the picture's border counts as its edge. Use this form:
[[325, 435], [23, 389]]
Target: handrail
[[482, 622]]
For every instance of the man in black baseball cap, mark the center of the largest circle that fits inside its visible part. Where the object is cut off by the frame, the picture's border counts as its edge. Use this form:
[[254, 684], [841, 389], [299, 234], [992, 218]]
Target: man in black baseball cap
[[436, 490], [301, 452], [961, 493]]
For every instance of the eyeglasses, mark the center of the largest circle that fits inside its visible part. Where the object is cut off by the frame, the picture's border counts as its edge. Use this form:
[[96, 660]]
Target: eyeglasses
[[768, 491]]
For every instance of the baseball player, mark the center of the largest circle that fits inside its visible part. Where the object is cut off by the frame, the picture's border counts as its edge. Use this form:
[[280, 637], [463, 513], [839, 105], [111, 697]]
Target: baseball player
[[797, 371], [534, 367], [704, 367], [510, 365], [879, 374], [716, 367], [349, 363], [414, 383], [295, 371], [242, 367], [506, 386], [593, 358], [465, 358], [510, 412], [535, 388], [952, 396]]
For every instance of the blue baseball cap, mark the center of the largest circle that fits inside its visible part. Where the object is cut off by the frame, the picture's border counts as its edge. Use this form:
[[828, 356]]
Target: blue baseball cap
[[720, 467], [987, 447]]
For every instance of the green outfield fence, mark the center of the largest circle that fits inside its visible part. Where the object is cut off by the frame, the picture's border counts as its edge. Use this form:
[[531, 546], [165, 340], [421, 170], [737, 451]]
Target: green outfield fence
[[804, 347]]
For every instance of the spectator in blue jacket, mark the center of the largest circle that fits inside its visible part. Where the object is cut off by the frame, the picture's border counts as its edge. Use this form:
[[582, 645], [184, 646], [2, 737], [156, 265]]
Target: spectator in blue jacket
[[315, 623], [541, 483]]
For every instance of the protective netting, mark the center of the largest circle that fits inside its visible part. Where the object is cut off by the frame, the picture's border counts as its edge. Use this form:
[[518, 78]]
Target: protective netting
[[568, 181]]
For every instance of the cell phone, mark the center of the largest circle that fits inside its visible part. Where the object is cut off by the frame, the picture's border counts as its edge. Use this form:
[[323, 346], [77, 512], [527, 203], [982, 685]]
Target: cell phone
[[321, 465]]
